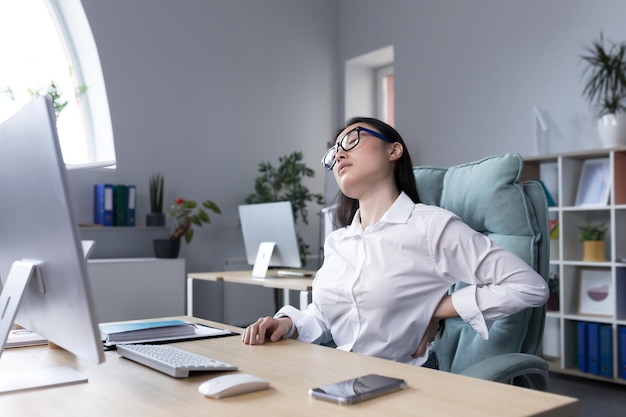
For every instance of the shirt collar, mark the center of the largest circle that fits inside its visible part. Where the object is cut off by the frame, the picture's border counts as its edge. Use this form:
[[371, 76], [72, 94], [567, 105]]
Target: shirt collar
[[399, 212]]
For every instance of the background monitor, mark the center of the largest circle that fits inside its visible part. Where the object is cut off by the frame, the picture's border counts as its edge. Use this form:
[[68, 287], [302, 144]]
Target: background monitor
[[39, 240], [270, 222]]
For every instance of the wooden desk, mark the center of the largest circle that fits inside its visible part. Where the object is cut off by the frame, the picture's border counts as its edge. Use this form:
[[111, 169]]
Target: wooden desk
[[121, 387], [304, 284]]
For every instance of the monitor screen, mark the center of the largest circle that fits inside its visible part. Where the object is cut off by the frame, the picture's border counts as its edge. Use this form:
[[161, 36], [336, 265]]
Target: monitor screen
[[270, 222], [40, 247]]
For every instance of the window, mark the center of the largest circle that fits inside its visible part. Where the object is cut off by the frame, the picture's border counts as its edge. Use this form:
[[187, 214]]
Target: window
[[48, 44], [385, 94], [369, 85]]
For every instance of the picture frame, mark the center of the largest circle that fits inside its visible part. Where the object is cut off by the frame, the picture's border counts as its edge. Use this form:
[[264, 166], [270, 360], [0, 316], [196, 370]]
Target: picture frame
[[596, 294], [594, 183]]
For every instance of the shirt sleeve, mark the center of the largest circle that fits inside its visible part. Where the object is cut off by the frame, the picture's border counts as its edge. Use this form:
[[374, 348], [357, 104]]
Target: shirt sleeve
[[308, 323], [499, 283]]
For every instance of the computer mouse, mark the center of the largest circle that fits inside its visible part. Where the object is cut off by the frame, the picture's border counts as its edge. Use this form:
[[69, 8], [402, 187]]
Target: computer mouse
[[232, 384]]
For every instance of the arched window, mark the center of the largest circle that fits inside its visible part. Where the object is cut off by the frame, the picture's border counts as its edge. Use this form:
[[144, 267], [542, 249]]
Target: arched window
[[46, 47]]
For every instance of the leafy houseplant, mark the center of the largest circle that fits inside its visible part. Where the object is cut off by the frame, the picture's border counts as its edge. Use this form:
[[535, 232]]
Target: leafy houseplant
[[284, 183], [593, 232], [605, 87], [188, 213], [156, 216], [592, 237]]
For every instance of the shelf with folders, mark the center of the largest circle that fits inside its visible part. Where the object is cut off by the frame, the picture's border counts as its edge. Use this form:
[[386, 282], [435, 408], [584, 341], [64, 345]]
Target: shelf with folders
[[589, 315]]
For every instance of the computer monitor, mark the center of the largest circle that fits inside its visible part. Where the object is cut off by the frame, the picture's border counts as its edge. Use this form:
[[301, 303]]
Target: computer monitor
[[269, 236], [42, 265]]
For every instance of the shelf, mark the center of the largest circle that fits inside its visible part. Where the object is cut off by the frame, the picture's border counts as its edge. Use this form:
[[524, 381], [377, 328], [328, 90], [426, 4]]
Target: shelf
[[560, 173]]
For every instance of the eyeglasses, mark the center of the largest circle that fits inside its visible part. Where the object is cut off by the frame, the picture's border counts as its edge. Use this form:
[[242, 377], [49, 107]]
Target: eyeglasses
[[347, 143]]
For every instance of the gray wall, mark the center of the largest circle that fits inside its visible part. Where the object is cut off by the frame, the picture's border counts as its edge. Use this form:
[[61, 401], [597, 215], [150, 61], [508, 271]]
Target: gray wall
[[468, 73], [203, 90]]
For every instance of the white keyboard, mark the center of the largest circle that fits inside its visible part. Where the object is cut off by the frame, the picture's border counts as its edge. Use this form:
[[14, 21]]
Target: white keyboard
[[171, 360]]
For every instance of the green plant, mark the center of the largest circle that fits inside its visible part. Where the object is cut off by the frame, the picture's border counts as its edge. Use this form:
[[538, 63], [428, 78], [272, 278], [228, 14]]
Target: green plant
[[591, 232], [284, 183], [605, 86], [58, 100], [156, 193], [187, 213]]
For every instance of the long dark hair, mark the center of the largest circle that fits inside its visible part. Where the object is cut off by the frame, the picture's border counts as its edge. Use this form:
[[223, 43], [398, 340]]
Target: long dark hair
[[403, 172]]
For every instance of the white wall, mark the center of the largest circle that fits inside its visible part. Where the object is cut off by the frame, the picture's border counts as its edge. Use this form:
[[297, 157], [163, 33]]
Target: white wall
[[203, 91], [468, 73]]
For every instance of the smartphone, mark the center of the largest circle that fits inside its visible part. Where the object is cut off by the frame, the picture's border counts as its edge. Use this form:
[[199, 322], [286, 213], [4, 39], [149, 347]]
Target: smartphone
[[358, 389]]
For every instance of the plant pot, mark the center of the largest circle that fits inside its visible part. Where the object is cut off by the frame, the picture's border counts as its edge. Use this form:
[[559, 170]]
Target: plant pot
[[612, 130], [155, 219], [166, 248], [593, 251]]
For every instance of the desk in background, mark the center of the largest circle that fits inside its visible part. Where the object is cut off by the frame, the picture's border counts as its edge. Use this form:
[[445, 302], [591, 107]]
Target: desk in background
[[303, 285], [122, 387]]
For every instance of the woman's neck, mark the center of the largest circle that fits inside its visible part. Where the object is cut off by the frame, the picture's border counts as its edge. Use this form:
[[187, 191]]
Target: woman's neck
[[374, 205]]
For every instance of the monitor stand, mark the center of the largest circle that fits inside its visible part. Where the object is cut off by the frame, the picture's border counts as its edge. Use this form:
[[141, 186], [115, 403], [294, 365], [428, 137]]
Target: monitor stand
[[262, 261], [22, 274]]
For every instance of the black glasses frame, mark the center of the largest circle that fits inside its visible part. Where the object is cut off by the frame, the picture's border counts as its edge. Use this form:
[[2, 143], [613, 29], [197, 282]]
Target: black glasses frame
[[346, 145]]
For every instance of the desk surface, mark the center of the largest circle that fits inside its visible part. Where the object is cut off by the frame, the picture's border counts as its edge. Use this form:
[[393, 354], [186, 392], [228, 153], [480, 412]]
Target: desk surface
[[245, 277], [122, 387]]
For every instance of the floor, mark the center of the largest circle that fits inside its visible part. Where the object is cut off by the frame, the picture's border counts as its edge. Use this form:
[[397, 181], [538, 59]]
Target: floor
[[597, 398]]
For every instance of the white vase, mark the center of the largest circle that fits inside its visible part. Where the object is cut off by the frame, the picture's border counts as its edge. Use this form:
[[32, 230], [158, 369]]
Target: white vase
[[612, 130]]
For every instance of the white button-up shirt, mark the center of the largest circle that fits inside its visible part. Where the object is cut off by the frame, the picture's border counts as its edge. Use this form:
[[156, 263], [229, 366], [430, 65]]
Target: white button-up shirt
[[378, 288]]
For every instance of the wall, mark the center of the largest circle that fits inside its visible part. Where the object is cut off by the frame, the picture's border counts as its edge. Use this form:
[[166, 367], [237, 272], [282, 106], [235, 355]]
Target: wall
[[468, 73], [203, 91]]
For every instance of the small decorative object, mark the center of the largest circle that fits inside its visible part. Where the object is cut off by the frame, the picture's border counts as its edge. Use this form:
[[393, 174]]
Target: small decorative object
[[554, 239], [187, 213], [594, 184], [595, 295], [605, 88], [553, 285], [156, 217], [592, 237], [285, 184]]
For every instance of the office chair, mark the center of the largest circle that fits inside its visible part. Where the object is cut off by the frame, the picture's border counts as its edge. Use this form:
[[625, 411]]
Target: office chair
[[490, 198]]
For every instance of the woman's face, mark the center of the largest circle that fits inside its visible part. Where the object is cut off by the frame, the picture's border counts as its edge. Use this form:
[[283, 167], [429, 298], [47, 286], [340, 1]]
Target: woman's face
[[369, 163]]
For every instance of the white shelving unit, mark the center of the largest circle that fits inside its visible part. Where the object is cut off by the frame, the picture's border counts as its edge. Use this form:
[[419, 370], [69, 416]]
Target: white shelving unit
[[561, 174]]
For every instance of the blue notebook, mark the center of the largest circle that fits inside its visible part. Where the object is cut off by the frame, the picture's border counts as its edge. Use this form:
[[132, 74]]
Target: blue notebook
[[126, 332], [581, 337]]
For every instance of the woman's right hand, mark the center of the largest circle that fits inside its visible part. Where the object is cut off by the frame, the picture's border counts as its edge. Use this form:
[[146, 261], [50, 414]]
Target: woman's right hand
[[256, 333]]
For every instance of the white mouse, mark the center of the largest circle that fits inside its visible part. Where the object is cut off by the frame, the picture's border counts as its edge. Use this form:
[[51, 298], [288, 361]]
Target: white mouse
[[232, 384]]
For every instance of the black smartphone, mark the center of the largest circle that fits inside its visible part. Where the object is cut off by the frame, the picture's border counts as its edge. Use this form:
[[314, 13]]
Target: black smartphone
[[358, 389]]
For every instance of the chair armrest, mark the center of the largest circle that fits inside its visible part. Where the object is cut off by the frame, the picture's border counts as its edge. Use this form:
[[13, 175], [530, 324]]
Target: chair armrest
[[522, 369]]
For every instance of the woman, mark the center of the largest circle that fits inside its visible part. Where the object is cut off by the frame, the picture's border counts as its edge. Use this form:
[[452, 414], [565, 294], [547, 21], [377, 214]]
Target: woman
[[382, 289]]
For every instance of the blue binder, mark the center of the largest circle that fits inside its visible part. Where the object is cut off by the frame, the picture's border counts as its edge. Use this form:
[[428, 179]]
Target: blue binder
[[120, 204], [593, 348], [103, 204], [581, 338], [606, 350], [132, 201], [622, 351]]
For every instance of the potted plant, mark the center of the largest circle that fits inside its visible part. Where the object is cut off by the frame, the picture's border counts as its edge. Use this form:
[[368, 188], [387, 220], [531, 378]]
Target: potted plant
[[284, 183], [187, 213], [605, 88], [156, 217], [592, 236]]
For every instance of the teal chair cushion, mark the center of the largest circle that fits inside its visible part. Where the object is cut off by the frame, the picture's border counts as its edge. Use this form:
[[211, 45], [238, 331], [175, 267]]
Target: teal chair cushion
[[490, 198]]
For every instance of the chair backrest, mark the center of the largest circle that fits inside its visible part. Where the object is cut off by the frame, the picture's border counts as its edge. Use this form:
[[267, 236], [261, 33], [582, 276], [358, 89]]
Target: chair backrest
[[490, 198]]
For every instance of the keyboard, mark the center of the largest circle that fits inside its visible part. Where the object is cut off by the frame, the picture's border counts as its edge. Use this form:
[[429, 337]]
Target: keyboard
[[171, 360]]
